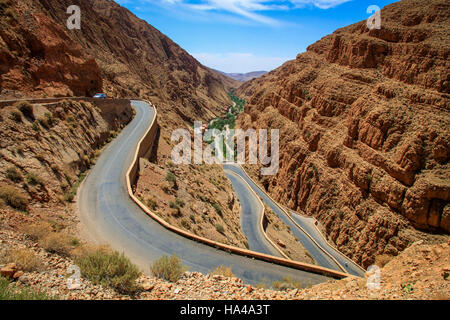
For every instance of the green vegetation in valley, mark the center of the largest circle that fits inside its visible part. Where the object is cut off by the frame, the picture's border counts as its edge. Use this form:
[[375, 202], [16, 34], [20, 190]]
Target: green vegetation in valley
[[229, 119], [240, 103]]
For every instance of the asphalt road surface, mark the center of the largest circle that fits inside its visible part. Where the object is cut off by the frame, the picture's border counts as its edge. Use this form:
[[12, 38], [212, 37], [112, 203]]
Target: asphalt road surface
[[251, 212], [323, 259], [109, 216], [308, 224]]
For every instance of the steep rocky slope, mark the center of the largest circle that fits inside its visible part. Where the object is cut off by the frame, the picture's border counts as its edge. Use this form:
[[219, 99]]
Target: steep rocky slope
[[44, 149], [364, 119]]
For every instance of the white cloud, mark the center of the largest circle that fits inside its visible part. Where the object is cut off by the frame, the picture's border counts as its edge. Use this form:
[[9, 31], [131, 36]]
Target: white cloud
[[322, 4], [236, 62], [252, 9]]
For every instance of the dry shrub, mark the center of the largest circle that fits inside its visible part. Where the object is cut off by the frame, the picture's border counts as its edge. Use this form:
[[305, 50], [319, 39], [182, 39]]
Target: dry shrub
[[151, 203], [88, 249], [110, 269], [14, 197], [14, 175], [4, 256], [261, 285], [57, 242], [223, 271], [185, 224], [220, 228], [34, 179], [37, 231], [25, 259], [287, 284], [168, 268], [15, 116]]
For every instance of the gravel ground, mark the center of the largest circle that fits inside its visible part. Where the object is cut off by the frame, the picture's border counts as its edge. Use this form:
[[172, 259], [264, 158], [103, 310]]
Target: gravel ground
[[420, 272]]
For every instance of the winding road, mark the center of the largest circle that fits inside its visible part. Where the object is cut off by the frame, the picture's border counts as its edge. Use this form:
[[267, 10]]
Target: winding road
[[303, 228], [308, 224], [110, 216], [251, 215]]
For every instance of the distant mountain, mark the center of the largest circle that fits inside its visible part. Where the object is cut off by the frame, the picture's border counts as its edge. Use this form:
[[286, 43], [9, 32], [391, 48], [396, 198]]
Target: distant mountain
[[243, 77]]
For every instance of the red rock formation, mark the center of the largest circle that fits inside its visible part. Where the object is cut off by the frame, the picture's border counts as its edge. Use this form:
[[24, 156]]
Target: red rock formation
[[364, 119], [37, 57]]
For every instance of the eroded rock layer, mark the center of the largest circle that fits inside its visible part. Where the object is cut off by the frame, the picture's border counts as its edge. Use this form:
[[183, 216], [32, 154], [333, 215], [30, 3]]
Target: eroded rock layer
[[364, 119]]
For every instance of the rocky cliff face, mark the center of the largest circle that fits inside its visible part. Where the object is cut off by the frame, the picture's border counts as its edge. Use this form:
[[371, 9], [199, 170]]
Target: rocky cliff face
[[364, 120], [38, 58]]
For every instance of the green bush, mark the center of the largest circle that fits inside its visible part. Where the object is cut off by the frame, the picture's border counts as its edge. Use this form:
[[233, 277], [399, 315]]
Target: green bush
[[151, 203], [220, 228], [26, 108], [35, 126], [174, 205], [110, 269], [171, 178], [34, 180], [218, 209], [14, 175], [70, 195], [168, 268], [180, 203], [9, 292], [14, 198]]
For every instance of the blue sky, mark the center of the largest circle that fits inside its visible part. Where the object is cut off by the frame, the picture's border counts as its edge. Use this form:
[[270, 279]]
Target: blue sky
[[248, 35]]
